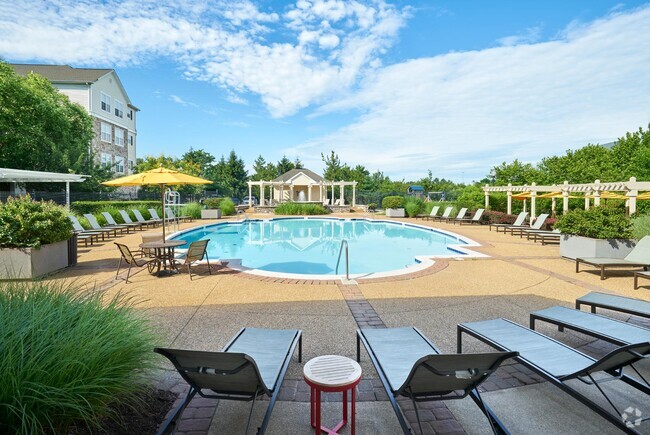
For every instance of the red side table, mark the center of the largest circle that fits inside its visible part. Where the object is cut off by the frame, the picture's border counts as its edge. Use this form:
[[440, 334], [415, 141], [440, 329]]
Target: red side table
[[332, 374]]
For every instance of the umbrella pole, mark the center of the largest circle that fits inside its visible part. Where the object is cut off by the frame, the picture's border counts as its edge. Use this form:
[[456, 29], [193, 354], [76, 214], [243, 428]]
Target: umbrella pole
[[162, 200]]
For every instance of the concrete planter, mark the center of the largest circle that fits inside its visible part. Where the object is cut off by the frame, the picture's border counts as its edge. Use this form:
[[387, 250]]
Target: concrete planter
[[211, 213], [576, 246], [395, 212], [29, 263]]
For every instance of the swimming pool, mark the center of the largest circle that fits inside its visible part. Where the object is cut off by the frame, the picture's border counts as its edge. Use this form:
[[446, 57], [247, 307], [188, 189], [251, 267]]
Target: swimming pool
[[310, 246]]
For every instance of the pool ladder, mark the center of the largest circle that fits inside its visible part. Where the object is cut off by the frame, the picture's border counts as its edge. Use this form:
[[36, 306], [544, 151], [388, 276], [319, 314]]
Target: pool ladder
[[347, 259]]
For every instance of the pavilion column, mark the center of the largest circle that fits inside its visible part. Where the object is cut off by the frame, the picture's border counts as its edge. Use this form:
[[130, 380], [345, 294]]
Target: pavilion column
[[250, 194], [291, 192], [320, 188], [282, 192], [333, 203], [309, 193], [509, 206], [354, 195], [487, 197], [261, 192], [631, 195], [533, 196], [596, 194], [342, 190], [67, 195]]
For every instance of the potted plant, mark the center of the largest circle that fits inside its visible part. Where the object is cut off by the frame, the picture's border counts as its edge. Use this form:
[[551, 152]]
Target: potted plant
[[33, 238], [211, 209], [393, 206], [597, 232]]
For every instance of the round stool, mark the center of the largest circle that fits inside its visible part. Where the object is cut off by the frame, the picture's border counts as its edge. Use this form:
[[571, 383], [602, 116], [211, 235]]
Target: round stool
[[332, 374]]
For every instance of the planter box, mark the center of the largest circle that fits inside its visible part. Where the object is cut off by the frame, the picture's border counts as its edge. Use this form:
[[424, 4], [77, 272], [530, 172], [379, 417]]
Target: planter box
[[395, 212], [576, 246], [212, 213], [29, 263]]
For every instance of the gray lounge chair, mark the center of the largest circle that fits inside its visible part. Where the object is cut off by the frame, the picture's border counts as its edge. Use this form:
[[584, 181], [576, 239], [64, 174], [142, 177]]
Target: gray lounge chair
[[76, 225], [154, 215], [410, 365], [519, 222], [445, 214], [171, 215], [434, 212], [141, 218], [559, 363], [83, 233], [127, 220], [476, 219], [252, 364], [94, 224], [595, 325], [461, 215], [111, 222], [638, 275], [636, 307], [539, 222], [638, 257]]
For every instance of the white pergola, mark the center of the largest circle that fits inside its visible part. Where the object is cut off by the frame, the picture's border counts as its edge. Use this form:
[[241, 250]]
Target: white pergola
[[8, 175], [289, 187], [630, 189]]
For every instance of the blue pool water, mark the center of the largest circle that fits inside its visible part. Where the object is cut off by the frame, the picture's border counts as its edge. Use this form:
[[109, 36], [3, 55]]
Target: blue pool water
[[311, 246]]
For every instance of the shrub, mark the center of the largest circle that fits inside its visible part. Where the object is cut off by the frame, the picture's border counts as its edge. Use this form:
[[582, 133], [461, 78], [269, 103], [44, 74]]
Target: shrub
[[597, 222], [471, 197], [413, 206], [192, 209], [96, 207], [372, 206], [67, 355], [212, 203], [392, 202], [497, 217], [25, 223], [641, 226], [227, 207], [294, 208]]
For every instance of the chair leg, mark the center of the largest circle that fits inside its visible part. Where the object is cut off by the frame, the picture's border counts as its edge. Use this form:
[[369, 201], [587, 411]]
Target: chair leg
[[189, 270], [128, 273], [118, 268], [208, 260]]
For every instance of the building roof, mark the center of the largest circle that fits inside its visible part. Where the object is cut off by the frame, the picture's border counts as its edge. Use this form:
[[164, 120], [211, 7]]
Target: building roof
[[62, 73], [416, 188], [23, 176], [293, 172]]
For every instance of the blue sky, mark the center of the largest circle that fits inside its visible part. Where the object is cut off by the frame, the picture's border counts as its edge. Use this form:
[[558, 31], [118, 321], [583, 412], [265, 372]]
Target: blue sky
[[403, 87]]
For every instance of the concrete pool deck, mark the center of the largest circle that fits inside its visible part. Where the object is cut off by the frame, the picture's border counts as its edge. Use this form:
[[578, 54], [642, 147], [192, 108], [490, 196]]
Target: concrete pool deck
[[516, 278]]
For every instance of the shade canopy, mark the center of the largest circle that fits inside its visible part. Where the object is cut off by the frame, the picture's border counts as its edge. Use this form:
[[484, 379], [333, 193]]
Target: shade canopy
[[608, 195], [643, 196], [522, 195], [160, 176]]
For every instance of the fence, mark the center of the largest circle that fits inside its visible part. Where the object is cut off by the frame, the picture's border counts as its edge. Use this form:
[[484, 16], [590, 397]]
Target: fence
[[59, 197]]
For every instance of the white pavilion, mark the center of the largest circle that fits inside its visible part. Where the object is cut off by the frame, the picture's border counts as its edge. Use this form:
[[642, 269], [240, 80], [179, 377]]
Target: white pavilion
[[302, 185]]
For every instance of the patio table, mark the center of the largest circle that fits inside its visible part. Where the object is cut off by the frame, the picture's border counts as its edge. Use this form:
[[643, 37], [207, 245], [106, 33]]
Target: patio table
[[164, 252]]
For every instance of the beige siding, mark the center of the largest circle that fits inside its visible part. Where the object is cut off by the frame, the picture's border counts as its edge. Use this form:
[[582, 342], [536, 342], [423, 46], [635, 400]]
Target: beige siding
[[109, 86], [76, 93]]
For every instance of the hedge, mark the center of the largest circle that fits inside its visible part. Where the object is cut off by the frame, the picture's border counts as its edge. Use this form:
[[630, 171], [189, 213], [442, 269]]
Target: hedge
[[96, 207]]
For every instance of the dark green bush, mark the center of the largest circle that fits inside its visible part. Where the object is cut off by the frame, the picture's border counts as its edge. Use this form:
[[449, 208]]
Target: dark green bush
[[227, 207], [392, 202], [193, 209], [212, 203], [25, 223], [294, 208], [96, 207], [597, 222], [372, 206], [641, 226], [67, 356], [413, 206]]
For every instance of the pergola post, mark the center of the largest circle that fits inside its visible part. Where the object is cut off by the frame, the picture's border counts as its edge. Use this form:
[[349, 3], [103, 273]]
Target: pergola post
[[309, 193], [333, 202], [354, 194], [565, 198], [67, 195], [632, 194], [553, 206], [596, 194], [342, 191], [487, 197], [587, 200], [320, 187], [509, 208], [261, 192], [282, 192], [250, 194], [533, 195]]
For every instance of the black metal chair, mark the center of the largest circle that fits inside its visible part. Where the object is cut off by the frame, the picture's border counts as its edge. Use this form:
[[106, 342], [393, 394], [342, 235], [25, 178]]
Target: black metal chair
[[129, 258]]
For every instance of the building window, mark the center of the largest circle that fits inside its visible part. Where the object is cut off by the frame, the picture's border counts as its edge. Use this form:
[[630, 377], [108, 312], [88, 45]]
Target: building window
[[118, 109], [131, 139], [106, 132], [119, 137], [106, 160], [131, 165], [119, 164], [106, 103], [130, 114]]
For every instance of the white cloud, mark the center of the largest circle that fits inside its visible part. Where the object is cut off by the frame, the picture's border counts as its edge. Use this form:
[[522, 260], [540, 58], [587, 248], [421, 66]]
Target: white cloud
[[528, 36], [465, 112], [178, 100], [314, 50]]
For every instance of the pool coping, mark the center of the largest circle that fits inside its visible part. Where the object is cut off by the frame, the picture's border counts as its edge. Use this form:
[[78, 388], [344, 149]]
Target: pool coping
[[422, 262]]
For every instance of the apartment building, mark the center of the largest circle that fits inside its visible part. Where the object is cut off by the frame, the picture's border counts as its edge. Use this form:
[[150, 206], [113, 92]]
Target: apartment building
[[101, 93]]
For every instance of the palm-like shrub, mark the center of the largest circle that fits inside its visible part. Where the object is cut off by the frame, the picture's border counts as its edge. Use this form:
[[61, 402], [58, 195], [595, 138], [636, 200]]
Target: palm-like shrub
[[25, 223], [66, 356]]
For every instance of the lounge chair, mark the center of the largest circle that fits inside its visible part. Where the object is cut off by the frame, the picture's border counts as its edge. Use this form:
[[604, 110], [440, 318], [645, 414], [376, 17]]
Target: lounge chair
[[638, 257], [594, 325], [128, 257], [170, 213], [519, 222], [539, 222], [94, 224], [76, 225], [461, 215], [410, 365], [559, 363], [153, 221], [543, 236], [434, 212], [196, 252], [154, 215], [445, 215], [476, 219], [127, 220], [638, 275], [111, 222], [84, 234], [252, 364], [636, 307]]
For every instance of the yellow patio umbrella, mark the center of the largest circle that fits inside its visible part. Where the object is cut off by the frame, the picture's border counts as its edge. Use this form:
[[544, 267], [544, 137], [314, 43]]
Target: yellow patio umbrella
[[159, 176]]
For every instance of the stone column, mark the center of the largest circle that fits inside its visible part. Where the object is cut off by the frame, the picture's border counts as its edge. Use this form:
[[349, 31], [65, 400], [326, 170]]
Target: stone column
[[342, 188], [250, 194], [261, 192]]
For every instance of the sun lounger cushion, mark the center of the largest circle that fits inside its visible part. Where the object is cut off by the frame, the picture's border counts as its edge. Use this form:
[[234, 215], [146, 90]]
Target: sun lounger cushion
[[616, 303]]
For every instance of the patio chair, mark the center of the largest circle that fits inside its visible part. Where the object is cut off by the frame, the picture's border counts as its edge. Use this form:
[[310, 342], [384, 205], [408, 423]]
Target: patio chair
[[171, 215], [539, 222], [252, 364], [196, 252], [476, 219], [76, 225], [594, 325], [445, 215], [153, 221], [151, 237], [128, 257], [519, 222], [434, 212], [410, 365], [82, 233], [638, 257], [559, 363], [154, 215], [543, 236], [94, 224], [111, 222], [461, 215], [636, 307]]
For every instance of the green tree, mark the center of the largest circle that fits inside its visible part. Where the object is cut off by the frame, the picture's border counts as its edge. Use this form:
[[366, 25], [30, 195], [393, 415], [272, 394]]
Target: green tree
[[284, 165], [333, 167], [516, 173], [263, 170], [230, 175]]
